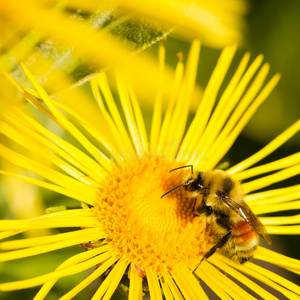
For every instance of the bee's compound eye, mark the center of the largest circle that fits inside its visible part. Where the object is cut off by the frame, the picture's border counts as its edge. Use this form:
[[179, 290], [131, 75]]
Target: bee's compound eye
[[194, 184], [198, 183], [199, 186]]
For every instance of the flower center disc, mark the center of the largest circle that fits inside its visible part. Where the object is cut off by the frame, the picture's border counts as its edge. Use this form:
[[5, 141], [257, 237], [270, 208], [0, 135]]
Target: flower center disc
[[145, 228]]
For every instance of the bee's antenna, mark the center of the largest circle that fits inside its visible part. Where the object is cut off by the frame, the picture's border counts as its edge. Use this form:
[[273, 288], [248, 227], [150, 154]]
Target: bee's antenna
[[187, 166], [177, 187]]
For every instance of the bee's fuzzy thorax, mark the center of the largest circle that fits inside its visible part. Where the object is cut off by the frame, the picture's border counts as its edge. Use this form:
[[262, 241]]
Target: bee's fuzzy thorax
[[216, 184]]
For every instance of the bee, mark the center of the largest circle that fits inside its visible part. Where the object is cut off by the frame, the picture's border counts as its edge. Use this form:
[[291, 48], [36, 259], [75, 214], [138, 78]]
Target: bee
[[220, 198]]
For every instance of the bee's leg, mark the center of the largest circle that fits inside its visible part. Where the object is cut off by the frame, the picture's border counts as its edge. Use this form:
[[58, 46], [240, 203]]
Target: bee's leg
[[222, 241], [202, 210], [193, 210]]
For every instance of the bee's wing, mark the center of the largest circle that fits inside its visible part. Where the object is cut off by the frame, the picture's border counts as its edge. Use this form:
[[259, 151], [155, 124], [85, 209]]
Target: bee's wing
[[256, 223], [247, 214]]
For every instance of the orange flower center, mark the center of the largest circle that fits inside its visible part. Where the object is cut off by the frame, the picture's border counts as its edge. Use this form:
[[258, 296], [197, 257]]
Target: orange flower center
[[145, 228]]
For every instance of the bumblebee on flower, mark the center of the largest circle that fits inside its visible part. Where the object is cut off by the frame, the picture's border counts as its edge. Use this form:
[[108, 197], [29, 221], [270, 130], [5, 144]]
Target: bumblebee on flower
[[127, 228]]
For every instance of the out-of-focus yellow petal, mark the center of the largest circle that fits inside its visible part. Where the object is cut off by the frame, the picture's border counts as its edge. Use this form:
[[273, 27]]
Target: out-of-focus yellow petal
[[56, 43]]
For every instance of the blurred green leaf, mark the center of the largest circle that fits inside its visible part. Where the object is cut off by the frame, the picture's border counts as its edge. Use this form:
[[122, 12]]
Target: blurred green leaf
[[134, 32]]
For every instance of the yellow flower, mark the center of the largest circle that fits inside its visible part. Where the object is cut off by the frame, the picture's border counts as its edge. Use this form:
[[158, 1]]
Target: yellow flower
[[78, 38], [120, 174]]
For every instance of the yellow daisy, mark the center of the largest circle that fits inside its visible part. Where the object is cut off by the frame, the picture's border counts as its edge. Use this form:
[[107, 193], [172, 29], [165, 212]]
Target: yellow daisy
[[119, 174]]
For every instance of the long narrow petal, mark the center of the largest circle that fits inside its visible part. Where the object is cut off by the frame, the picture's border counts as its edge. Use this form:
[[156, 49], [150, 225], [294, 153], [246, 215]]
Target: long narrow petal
[[88, 198], [80, 238], [270, 179], [277, 282], [157, 110], [243, 279], [273, 166], [221, 147], [109, 285], [207, 102], [117, 134], [226, 104], [154, 287], [281, 220], [178, 121], [228, 285], [191, 280], [6, 234], [71, 153], [189, 289], [110, 101], [278, 259], [127, 108], [46, 172], [73, 260], [44, 240], [271, 147], [291, 229], [285, 206], [136, 285], [103, 160], [169, 112], [25, 139], [166, 290], [103, 136], [85, 282], [173, 287], [211, 283], [67, 218], [274, 195], [27, 283], [290, 289], [139, 117]]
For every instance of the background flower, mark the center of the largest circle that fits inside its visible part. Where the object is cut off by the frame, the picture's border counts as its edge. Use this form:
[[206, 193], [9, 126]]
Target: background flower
[[78, 38]]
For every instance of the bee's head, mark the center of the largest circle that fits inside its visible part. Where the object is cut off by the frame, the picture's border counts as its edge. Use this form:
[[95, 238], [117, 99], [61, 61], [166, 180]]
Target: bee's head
[[195, 183], [188, 184]]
